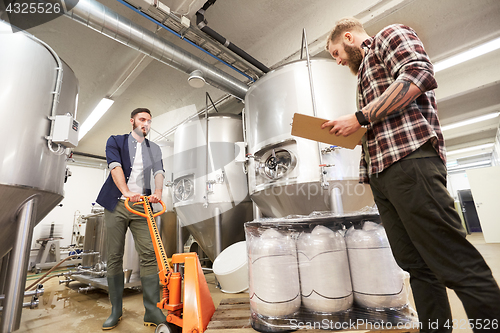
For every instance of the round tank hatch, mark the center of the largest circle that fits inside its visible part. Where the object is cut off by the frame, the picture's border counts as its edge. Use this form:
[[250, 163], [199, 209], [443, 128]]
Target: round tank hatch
[[277, 163], [183, 189]]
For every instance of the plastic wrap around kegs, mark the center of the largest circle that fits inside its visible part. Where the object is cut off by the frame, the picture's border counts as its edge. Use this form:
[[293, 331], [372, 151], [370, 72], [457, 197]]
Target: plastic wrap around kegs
[[273, 274], [377, 280], [324, 270]]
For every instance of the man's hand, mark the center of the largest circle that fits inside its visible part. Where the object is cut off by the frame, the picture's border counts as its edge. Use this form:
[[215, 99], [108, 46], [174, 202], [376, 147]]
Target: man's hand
[[345, 125], [155, 197], [133, 197]]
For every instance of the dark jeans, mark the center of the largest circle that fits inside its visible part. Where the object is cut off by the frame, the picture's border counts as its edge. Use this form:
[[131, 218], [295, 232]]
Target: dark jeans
[[428, 241], [117, 222]]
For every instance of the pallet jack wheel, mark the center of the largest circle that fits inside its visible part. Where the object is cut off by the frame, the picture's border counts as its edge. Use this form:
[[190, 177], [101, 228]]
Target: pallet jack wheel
[[167, 328]]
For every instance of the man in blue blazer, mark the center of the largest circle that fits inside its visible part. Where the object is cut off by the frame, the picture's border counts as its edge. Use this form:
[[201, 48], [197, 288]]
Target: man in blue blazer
[[134, 163]]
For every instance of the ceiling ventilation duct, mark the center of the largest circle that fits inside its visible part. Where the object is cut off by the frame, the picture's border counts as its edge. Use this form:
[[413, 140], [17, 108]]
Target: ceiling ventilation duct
[[109, 23]]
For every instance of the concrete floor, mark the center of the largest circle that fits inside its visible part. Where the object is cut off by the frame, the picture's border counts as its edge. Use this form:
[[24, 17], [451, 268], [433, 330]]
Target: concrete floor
[[63, 309]]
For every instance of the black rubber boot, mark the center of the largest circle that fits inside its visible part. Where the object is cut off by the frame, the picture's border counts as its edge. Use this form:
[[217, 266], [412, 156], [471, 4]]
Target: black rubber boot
[[115, 292], [151, 296]]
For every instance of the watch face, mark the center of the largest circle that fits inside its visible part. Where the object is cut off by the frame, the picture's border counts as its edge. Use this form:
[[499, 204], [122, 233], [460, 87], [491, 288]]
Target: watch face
[[361, 118]]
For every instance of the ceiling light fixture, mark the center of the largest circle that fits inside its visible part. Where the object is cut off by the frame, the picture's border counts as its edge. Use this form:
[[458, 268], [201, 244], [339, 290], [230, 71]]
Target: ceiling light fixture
[[469, 149], [470, 121], [463, 167], [196, 79], [467, 55], [94, 117]]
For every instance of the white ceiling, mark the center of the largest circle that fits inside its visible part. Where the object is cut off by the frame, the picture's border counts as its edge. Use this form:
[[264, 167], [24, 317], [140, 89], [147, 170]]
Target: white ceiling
[[271, 31]]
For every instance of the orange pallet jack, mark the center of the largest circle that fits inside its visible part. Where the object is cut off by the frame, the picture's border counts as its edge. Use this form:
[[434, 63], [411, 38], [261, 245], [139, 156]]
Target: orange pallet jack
[[194, 314]]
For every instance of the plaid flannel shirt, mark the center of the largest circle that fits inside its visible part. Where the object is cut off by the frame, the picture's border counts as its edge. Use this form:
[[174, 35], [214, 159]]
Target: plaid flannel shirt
[[397, 53]]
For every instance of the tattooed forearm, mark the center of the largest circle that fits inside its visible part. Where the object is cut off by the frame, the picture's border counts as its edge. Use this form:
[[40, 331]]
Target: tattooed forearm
[[399, 94]]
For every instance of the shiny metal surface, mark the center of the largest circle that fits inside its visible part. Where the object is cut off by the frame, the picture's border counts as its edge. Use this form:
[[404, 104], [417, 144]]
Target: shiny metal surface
[[105, 21], [231, 220], [172, 242], [200, 193], [29, 171], [95, 241], [269, 107], [27, 167], [18, 267], [95, 244]]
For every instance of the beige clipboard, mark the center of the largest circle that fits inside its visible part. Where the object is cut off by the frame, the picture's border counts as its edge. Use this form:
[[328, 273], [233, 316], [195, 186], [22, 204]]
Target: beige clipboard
[[310, 128]]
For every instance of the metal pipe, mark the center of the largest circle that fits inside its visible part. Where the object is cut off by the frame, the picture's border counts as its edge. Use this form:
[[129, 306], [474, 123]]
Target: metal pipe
[[179, 243], [218, 231], [37, 292], [257, 214], [18, 267], [32, 304], [244, 126], [198, 34], [86, 289], [324, 183], [207, 152], [100, 273], [107, 22], [4, 266], [336, 204], [201, 22]]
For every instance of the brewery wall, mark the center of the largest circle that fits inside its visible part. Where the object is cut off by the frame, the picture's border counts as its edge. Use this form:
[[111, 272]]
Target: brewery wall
[[80, 192]]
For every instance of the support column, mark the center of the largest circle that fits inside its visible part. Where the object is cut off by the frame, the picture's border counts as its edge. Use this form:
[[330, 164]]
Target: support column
[[336, 204], [179, 243], [18, 268], [218, 231]]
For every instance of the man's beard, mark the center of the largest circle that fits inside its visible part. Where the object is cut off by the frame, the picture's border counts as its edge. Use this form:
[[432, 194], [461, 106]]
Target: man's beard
[[354, 57], [139, 131]]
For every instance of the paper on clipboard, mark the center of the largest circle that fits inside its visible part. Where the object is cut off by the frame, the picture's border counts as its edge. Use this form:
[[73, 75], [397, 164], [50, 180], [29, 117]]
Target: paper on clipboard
[[310, 128]]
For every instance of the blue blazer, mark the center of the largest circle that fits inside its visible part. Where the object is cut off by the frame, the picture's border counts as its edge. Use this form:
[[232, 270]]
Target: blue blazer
[[117, 151]]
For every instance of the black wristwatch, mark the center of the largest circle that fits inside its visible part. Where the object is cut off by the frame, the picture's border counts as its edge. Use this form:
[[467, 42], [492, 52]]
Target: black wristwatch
[[361, 118]]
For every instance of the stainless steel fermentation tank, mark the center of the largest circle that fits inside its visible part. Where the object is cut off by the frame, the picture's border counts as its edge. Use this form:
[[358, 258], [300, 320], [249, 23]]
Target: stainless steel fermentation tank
[[168, 220], [210, 189], [31, 175], [291, 175]]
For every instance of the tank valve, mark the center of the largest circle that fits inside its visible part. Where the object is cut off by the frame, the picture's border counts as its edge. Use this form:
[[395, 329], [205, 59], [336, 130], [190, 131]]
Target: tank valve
[[271, 163], [328, 149], [210, 186]]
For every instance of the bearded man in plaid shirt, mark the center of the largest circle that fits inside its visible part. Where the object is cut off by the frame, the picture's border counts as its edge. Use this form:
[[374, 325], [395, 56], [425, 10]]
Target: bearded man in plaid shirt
[[404, 160]]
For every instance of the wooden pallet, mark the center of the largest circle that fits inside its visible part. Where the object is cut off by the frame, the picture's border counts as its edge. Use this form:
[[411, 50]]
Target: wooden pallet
[[233, 316]]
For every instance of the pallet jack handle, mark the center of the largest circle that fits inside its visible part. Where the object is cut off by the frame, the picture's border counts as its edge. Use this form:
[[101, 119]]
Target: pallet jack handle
[[161, 255]]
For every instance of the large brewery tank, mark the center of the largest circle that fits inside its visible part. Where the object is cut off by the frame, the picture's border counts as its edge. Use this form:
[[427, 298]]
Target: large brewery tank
[[31, 175], [210, 189], [284, 172], [168, 220]]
